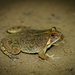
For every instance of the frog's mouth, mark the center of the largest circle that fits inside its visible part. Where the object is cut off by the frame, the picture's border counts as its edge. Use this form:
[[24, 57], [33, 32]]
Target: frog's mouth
[[53, 41], [59, 40]]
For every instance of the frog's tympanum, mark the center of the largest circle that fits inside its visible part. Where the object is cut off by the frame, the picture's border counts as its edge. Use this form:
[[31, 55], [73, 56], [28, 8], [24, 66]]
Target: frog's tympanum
[[24, 39]]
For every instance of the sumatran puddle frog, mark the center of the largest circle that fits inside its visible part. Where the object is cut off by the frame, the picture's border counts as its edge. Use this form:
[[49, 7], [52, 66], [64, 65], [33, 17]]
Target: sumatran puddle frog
[[23, 39]]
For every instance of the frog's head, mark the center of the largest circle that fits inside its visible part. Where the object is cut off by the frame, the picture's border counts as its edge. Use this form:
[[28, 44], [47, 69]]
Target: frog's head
[[55, 36]]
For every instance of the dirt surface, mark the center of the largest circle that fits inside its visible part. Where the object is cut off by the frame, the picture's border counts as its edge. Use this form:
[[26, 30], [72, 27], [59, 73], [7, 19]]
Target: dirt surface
[[40, 15]]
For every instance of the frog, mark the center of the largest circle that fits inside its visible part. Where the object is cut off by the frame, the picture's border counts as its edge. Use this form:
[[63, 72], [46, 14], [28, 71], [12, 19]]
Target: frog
[[27, 40]]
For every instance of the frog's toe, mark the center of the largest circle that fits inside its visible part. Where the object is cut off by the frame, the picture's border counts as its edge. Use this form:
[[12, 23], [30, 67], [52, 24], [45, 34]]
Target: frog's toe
[[52, 56]]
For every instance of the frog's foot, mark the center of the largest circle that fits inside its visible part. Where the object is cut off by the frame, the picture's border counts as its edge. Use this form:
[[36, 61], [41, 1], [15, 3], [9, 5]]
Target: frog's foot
[[17, 29], [52, 56], [13, 56]]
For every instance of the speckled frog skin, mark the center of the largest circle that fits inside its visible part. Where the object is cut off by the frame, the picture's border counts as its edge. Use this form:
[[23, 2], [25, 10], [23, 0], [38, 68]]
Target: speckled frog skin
[[23, 39]]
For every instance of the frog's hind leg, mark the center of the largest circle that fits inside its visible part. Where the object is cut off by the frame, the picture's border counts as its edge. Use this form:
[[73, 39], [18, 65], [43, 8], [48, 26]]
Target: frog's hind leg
[[8, 54], [10, 48], [17, 29]]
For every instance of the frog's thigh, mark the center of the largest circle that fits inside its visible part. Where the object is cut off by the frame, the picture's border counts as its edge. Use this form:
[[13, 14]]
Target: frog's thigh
[[7, 53], [15, 50], [17, 29]]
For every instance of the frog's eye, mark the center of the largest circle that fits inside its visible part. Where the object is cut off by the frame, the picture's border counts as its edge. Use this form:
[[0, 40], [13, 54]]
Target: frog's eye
[[52, 35], [53, 28]]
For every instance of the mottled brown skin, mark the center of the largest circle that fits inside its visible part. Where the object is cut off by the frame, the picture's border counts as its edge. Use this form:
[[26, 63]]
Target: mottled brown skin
[[24, 39]]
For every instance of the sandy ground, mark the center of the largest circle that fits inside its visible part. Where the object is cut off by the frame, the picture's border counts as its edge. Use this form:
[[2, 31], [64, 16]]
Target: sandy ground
[[40, 15]]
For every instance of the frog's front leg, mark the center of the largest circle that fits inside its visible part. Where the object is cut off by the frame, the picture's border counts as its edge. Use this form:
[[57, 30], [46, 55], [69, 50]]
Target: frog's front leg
[[45, 56], [17, 29], [42, 54]]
